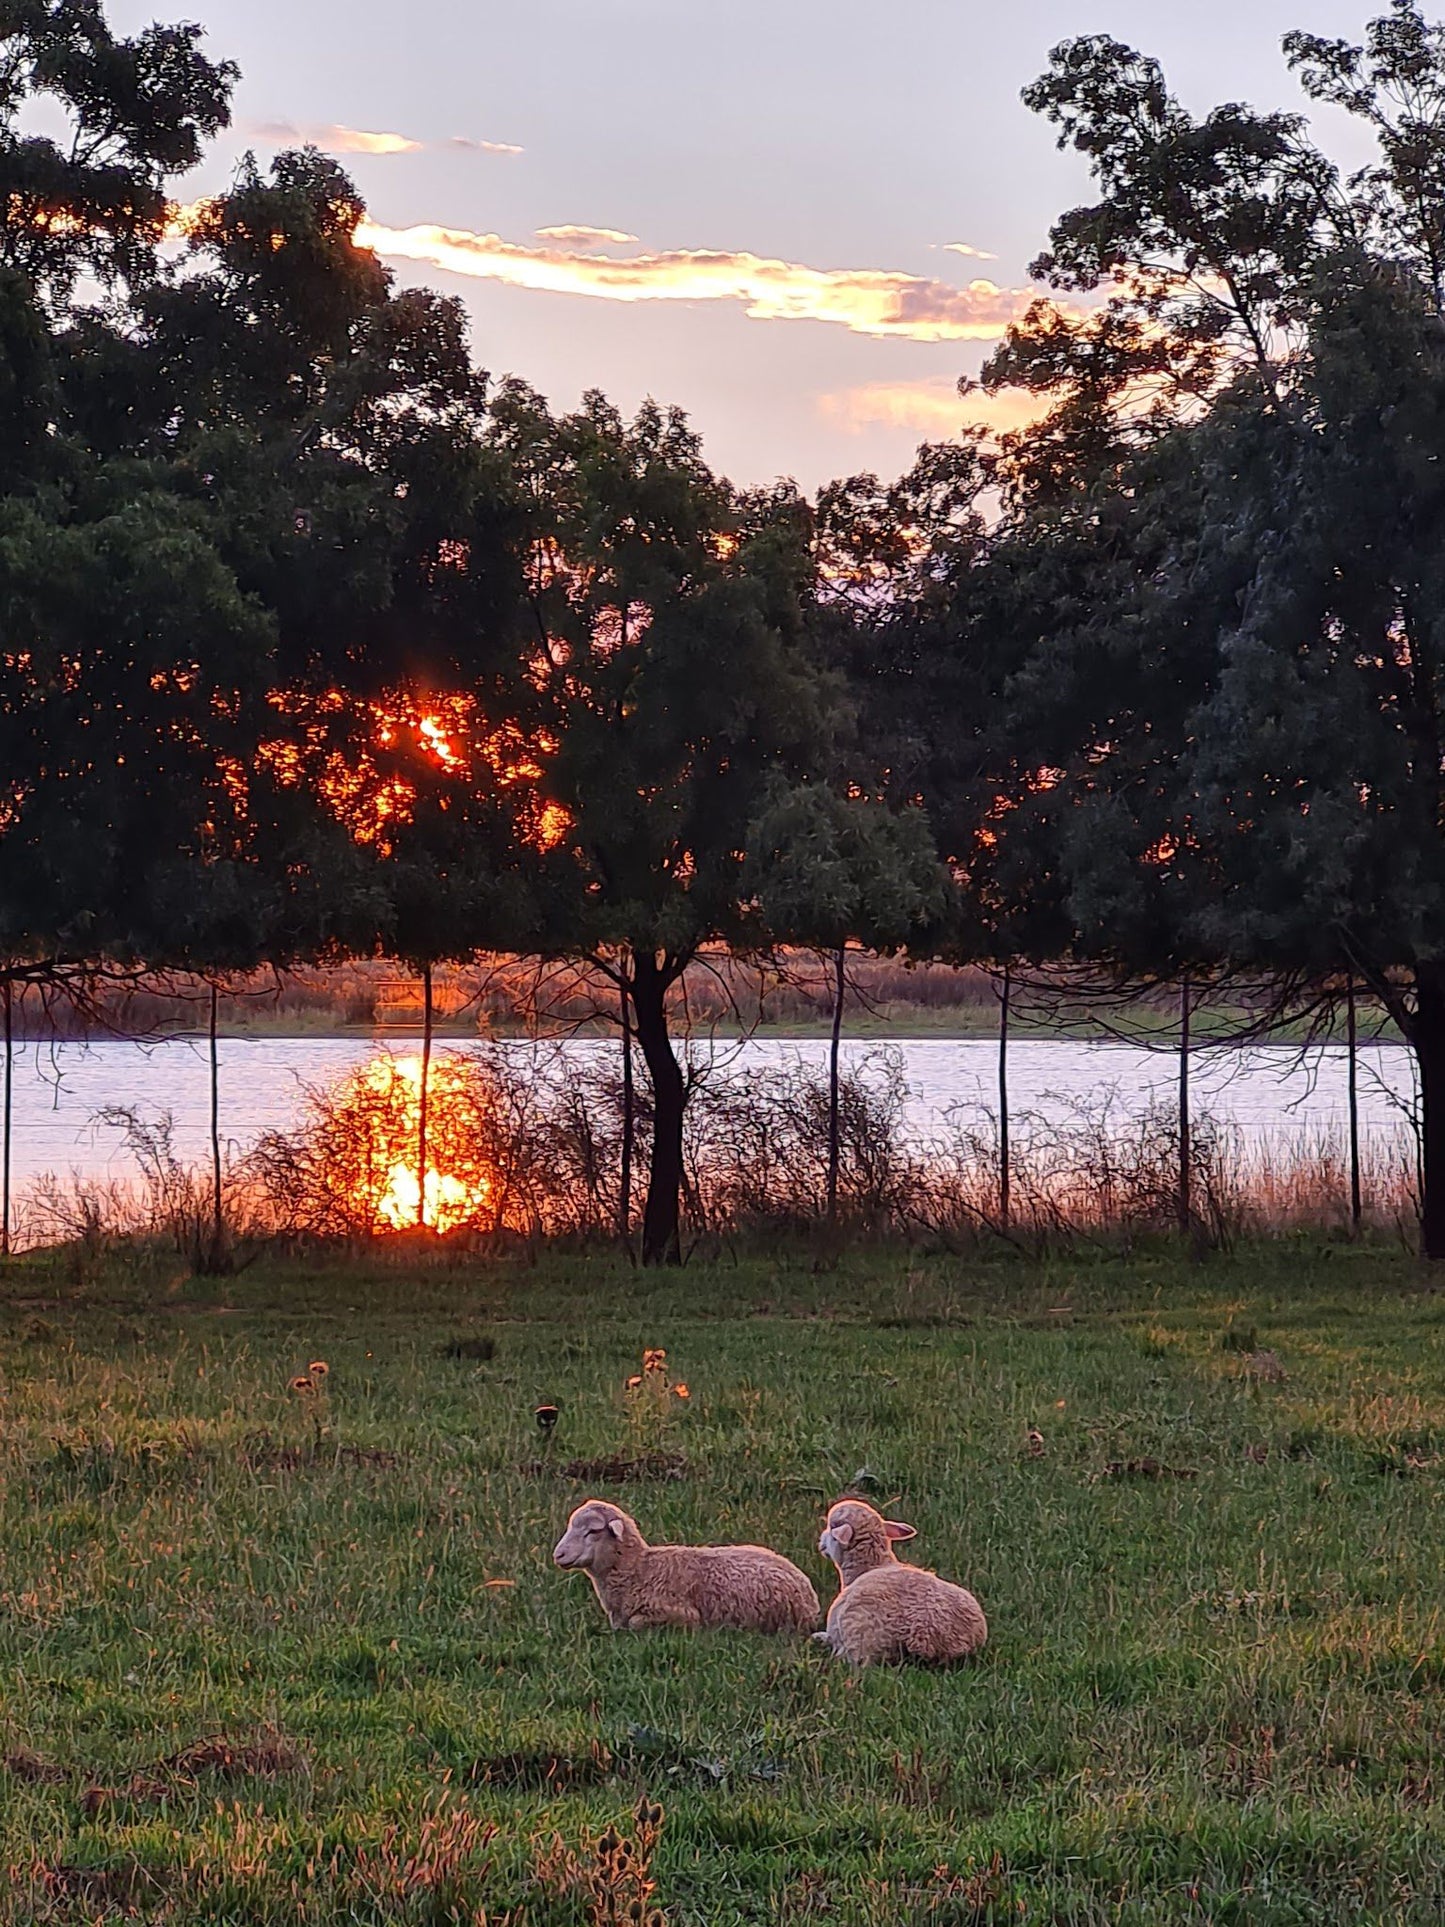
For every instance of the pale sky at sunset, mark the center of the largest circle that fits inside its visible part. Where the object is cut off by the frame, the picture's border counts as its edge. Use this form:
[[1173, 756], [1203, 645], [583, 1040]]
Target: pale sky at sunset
[[753, 209]]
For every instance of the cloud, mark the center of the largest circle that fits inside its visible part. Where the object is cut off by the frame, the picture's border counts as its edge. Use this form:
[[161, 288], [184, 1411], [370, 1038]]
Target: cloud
[[868, 301], [335, 139], [962, 247], [933, 408], [583, 236], [470, 146]]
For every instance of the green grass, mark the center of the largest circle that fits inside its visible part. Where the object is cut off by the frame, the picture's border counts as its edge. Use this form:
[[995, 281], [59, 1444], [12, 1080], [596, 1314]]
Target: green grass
[[1217, 1698]]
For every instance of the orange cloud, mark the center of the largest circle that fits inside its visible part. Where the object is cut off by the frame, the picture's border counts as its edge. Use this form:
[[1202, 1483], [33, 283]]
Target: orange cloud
[[933, 408], [868, 301], [583, 236], [335, 139], [973, 254]]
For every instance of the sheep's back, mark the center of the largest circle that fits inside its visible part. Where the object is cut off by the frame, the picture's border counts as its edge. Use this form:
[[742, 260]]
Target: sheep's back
[[902, 1612], [748, 1586]]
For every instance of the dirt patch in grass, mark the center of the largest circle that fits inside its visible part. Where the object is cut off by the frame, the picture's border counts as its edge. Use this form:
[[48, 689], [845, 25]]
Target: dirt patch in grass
[[1147, 1469], [123, 1888], [28, 1767], [920, 1321], [618, 1468], [481, 1350], [140, 1790], [1405, 1463], [269, 1756]]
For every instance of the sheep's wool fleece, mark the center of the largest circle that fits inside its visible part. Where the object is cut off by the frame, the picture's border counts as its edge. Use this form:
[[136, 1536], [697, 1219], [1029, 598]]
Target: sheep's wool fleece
[[746, 1586], [641, 1585], [898, 1612]]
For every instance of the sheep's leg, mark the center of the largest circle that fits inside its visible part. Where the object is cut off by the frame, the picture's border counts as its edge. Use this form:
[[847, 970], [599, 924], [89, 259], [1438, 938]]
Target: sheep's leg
[[687, 1617], [829, 1635]]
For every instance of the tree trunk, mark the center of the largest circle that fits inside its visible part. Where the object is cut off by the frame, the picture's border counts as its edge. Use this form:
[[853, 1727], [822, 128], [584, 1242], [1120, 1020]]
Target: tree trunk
[[1186, 1153], [629, 1127], [834, 1147], [661, 1230], [423, 1095], [1353, 1093], [1428, 1039], [5, 1122], [1004, 1175], [218, 1204]]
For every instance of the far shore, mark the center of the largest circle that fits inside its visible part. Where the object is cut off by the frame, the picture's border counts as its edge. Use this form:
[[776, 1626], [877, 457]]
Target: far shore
[[913, 1024]]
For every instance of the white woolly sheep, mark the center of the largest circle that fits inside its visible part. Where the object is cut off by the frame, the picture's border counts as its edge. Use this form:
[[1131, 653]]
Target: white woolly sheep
[[887, 1610], [643, 1585]]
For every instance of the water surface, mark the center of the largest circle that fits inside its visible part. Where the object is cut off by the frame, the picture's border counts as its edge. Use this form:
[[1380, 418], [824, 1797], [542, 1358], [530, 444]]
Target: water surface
[[1276, 1095]]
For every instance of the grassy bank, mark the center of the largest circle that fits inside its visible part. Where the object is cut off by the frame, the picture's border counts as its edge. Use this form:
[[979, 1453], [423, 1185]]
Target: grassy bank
[[1214, 1690]]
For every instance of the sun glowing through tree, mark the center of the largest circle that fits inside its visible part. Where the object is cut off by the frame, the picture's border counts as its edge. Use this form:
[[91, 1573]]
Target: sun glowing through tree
[[367, 760]]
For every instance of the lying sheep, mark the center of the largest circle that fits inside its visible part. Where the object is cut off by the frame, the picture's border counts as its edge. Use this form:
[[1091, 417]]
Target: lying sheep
[[643, 1585], [887, 1610]]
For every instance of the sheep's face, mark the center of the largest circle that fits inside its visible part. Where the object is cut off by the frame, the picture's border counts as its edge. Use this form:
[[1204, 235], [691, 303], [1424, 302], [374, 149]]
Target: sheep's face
[[594, 1536], [855, 1535]]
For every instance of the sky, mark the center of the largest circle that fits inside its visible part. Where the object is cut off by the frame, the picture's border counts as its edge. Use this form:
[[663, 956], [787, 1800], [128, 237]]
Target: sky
[[801, 220]]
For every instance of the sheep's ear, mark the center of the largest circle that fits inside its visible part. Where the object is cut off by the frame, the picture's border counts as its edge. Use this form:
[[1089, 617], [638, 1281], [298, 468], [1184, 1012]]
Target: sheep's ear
[[843, 1534], [614, 1526], [897, 1530]]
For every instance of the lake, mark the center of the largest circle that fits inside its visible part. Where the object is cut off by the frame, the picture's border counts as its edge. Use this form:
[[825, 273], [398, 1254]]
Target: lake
[[1274, 1094]]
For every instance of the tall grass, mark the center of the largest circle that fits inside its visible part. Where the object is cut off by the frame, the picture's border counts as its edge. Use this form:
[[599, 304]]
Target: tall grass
[[164, 1199]]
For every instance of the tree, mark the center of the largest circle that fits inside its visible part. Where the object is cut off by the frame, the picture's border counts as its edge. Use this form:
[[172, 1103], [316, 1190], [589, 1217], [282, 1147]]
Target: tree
[[1242, 701], [668, 680], [136, 114], [1317, 770], [86, 210], [246, 532], [829, 869]]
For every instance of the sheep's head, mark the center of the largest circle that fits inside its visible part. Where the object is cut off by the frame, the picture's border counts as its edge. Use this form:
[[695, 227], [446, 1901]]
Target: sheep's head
[[856, 1537], [597, 1533]]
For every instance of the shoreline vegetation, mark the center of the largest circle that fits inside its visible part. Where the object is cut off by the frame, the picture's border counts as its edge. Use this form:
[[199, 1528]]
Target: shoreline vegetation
[[536, 1149], [483, 1129], [885, 999]]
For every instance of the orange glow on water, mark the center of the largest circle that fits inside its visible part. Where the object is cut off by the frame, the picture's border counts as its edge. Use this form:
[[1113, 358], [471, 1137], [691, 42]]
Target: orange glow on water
[[452, 1199], [380, 1107]]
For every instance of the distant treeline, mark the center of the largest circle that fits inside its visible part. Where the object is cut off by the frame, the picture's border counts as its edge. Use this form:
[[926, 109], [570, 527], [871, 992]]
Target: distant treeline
[[504, 995]]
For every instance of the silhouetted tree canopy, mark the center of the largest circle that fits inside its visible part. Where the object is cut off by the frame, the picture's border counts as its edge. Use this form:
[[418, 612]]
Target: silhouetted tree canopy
[[314, 640]]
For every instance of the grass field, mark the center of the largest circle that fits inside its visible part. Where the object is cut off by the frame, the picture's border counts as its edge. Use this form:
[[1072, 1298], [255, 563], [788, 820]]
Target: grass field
[[247, 1677]]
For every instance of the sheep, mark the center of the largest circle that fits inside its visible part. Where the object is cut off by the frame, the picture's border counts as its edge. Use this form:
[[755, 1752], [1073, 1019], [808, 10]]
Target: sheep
[[642, 1585], [885, 1609]]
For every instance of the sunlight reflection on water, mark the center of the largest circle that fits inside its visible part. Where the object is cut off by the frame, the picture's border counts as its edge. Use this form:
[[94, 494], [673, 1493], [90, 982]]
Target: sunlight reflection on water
[[1273, 1094]]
